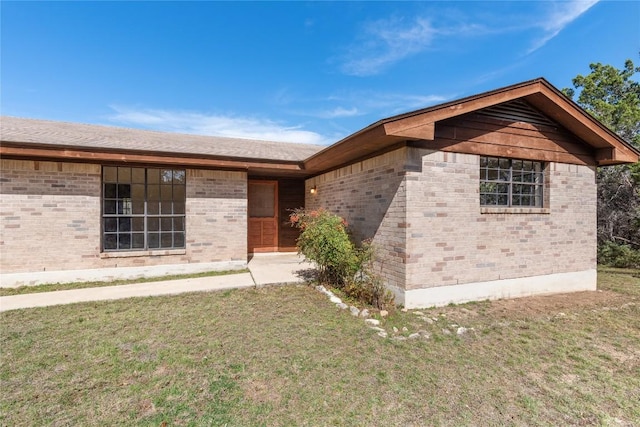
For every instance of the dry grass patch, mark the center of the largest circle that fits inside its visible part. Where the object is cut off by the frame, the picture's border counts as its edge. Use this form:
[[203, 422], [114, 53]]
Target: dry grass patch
[[286, 356]]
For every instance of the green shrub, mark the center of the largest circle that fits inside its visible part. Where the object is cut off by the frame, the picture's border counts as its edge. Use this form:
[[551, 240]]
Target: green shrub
[[620, 256], [366, 285], [325, 241]]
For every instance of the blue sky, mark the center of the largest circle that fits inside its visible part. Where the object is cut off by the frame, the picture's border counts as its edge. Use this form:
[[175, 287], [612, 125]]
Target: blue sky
[[310, 72]]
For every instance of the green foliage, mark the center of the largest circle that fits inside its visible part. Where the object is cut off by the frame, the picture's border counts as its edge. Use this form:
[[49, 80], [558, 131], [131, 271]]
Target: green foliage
[[366, 285], [620, 256], [610, 95], [324, 240], [613, 97]]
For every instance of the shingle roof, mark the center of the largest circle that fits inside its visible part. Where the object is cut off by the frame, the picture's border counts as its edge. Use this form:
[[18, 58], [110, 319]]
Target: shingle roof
[[84, 136]]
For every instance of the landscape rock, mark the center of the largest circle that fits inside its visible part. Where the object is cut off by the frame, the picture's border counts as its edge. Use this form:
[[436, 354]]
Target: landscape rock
[[377, 328], [384, 313], [382, 334], [372, 322], [335, 299], [446, 331], [399, 338], [414, 336], [342, 305], [404, 329], [461, 330], [428, 320], [355, 311], [395, 330], [418, 313], [364, 313]]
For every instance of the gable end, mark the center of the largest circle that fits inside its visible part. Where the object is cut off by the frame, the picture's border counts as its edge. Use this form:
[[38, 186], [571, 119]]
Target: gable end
[[517, 111]]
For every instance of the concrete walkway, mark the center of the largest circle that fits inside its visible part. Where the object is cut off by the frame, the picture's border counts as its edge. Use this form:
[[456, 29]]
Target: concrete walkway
[[265, 269]]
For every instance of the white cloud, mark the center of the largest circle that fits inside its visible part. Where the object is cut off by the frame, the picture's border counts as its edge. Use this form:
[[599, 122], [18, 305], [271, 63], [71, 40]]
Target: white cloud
[[561, 14], [214, 125], [387, 104], [385, 42], [338, 112]]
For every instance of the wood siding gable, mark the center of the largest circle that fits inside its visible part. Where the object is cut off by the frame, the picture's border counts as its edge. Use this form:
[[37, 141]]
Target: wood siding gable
[[514, 129]]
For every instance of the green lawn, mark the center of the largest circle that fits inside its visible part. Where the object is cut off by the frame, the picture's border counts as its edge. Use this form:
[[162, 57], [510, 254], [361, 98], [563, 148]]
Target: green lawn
[[287, 356]]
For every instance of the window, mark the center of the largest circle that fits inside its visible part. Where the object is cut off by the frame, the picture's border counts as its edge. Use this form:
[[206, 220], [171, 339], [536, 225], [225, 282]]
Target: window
[[510, 182], [143, 208]]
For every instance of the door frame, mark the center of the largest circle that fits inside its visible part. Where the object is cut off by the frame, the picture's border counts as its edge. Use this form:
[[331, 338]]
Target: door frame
[[275, 218]]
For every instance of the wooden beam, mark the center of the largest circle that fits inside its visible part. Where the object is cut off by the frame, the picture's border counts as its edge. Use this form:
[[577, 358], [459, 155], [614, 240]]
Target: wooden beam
[[605, 155], [488, 149], [155, 159], [362, 144], [465, 106], [423, 131]]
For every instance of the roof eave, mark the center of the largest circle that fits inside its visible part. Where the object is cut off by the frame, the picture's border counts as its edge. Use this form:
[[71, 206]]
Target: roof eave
[[420, 125], [12, 149]]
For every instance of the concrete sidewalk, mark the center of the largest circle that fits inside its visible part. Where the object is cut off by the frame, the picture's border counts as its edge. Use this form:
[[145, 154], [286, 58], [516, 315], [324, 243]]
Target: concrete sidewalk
[[265, 269], [276, 268]]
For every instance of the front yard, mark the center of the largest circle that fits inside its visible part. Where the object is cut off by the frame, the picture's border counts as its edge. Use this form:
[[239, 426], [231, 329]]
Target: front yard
[[287, 356]]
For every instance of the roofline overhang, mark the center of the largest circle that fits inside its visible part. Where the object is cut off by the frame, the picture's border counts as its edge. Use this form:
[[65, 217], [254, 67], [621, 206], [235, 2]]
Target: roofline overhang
[[44, 152], [610, 149]]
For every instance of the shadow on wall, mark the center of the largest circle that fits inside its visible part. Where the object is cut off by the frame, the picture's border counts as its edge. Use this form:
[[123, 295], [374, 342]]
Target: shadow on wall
[[368, 194]]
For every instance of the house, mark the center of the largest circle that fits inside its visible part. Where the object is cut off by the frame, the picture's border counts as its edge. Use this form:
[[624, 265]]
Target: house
[[488, 196]]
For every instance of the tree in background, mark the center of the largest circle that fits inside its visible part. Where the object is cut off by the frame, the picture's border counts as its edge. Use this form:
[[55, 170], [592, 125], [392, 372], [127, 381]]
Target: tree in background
[[613, 97]]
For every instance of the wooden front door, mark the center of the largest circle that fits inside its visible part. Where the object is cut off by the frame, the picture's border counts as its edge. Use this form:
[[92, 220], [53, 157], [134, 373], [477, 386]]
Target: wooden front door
[[263, 216]]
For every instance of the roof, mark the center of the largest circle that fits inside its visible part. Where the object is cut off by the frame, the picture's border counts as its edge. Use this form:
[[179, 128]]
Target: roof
[[30, 138], [608, 147], [47, 136], [75, 135]]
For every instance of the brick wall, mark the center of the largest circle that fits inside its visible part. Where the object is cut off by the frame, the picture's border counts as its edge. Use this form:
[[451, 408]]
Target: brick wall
[[370, 195], [50, 219], [422, 209], [216, 215], [452, 242]]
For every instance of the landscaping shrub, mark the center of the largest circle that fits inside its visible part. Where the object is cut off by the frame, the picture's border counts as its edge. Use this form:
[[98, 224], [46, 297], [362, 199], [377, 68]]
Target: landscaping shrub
[[325, 241], [621, 256], [366, 285]]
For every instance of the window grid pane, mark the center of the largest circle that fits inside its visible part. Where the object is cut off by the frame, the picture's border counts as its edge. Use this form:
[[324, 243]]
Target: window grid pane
[[511, 182], [143, 208]]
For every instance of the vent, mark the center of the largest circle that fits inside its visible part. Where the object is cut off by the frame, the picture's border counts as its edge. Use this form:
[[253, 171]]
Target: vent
[[517, 111]]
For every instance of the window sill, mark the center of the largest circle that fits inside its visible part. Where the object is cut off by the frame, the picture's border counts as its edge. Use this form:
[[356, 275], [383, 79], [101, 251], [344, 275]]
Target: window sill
[[155, 252], [514, 210]]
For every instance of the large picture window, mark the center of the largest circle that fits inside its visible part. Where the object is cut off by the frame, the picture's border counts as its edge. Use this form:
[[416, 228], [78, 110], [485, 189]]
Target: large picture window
[[143, 208], [511, 182]]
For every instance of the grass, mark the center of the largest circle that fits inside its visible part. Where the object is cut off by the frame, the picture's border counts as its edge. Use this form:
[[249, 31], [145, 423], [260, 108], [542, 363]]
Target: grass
[[21, 290], [282, 356]]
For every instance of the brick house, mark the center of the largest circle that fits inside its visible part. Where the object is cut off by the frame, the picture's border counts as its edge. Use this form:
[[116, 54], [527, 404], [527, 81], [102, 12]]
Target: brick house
[[489, 196]]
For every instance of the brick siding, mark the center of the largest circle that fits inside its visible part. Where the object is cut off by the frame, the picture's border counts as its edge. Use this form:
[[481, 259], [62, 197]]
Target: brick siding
[[422, 210], [370, 195], [452, 242], [50, 219]]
